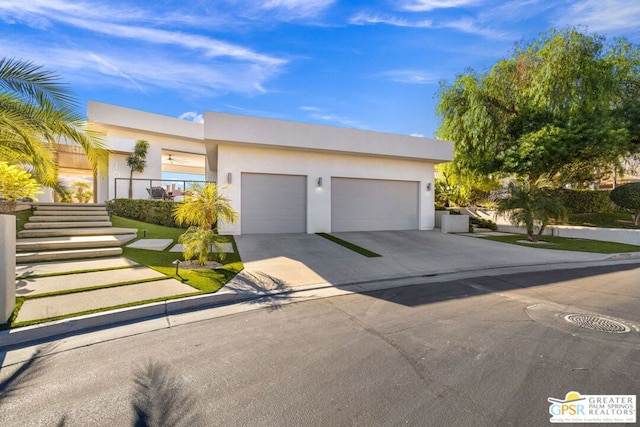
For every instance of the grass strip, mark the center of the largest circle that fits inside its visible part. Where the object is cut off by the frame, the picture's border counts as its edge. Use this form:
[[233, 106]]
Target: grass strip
[[348, 245], [567, 244]]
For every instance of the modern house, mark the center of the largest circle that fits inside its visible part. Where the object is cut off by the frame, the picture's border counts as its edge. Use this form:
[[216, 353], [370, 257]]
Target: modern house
[[281, 176]]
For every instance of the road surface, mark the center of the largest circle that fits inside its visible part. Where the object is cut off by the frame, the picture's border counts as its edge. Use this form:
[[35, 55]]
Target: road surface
[[483, 351]]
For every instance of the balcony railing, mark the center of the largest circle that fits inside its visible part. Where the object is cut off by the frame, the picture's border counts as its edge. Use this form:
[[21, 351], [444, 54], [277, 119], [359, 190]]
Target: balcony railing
[[142, 188]]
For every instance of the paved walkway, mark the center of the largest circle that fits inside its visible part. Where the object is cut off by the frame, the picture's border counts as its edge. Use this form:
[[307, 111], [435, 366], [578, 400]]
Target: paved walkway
[[41, 308]]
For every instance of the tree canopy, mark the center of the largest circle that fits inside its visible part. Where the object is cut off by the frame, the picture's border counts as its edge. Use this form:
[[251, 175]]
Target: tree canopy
[[566, 103], [37, 113]]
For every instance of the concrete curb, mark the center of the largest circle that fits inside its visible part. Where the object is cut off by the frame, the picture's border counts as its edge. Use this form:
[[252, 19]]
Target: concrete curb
[[112, 318]]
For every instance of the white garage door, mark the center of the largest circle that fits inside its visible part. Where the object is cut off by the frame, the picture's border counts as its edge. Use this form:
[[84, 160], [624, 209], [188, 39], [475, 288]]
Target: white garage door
[[273, 203], [371, 204]]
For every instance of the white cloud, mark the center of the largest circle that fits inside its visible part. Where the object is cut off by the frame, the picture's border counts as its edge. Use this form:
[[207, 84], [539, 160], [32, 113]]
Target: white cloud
[[611, 16], [427, 5], [294, 9], [417, 135], [368, 19], [410, 76], [195, 63], [320, 114], [465, 25], [211, 47], [192, 116]]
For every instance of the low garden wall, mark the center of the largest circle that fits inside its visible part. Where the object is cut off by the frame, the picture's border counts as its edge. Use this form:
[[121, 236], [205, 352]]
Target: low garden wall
[[454, 224], [7, 266]]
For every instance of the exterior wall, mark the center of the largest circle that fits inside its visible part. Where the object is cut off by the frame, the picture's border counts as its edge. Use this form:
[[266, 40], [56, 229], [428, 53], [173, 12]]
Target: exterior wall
[[235, 159]]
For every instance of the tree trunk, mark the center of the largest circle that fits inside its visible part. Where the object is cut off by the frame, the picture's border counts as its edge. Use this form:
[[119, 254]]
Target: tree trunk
[[530, 236], [540, 232], [131, 185]]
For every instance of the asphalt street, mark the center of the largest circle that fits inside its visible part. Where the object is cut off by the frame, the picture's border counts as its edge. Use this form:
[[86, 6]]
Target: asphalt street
[[484, 351]]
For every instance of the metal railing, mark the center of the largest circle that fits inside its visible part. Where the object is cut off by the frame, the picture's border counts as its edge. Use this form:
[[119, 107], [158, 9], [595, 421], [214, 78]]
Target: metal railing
[[143, 188]]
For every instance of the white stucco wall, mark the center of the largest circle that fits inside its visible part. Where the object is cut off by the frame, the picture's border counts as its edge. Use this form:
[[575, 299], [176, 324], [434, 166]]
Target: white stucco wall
[[237, 159]]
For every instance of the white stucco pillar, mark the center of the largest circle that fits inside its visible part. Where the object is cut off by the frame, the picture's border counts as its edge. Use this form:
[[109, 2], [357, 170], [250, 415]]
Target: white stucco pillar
[[7, 266]]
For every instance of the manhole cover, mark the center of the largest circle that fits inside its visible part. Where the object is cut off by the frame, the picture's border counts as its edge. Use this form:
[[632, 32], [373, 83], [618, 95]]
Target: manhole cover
[[597, 323]]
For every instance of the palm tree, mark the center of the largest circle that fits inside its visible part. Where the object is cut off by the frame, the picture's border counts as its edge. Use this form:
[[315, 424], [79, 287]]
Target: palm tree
[[137, 161], [202, 210], [531, 205], [204, 207], [37, 113]]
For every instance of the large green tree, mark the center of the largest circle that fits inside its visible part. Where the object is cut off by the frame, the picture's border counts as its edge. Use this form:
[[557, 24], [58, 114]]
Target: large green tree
[[37, 113], [566, 103]]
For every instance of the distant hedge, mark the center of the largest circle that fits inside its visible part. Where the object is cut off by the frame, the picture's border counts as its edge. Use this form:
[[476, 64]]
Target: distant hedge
[[159, 212], [585, 201]]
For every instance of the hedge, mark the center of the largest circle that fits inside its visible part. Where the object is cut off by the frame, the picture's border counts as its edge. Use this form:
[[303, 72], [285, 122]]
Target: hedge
[[159, 212], [585, 201]]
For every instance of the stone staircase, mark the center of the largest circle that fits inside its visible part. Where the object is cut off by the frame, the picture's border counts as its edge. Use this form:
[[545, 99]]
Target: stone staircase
[[58, 231]]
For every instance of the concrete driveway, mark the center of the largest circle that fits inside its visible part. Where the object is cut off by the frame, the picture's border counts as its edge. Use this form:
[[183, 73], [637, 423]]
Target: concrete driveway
[[278, 261]]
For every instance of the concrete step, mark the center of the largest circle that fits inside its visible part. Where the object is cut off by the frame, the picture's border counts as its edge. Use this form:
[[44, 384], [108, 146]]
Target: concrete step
[[70, 207], [69, 224], [45, 205], [57, 232], [45, 218], [71, 242], [40, 256], [77, 212]]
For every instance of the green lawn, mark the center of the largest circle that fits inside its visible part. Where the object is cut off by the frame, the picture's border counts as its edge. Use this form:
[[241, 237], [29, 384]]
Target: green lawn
[[566, 244], [162, 261]]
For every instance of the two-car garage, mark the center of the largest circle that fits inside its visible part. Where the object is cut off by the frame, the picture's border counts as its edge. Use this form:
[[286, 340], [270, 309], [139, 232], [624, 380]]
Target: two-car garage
[[274, 203]]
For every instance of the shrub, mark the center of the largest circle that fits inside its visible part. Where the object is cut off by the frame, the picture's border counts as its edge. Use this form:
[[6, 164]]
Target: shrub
[[159, 212], [15, 184], [585, 201], [483, 223], [628, 197]]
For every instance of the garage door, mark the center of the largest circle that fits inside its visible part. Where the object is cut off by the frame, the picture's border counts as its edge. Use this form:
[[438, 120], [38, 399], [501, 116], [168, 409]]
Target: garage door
[[370, 204], [273, 203]]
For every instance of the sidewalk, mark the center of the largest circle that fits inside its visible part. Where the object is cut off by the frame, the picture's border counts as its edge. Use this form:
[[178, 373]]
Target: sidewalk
[[274, 266]]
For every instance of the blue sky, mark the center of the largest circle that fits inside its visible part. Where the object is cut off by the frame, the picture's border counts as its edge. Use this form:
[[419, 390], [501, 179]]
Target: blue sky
[[371, 65]]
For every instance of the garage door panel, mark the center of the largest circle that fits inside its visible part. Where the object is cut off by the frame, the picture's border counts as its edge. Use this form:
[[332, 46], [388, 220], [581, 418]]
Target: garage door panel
[[273, 203], [368, 205]]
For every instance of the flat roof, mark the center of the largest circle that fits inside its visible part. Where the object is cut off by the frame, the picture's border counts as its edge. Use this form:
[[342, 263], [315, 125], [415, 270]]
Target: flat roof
[[223, 128]]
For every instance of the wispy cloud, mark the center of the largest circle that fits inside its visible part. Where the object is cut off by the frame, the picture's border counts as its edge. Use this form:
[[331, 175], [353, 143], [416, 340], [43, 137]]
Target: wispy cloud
[[320, 114], [295, 9], [427, 5], [410, 77], [213, 65], [464, 25], [192, 116], [612, 16], [365, 18]]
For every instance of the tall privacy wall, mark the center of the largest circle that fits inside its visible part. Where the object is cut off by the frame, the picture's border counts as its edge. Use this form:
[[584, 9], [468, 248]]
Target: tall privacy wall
[[7, 266]]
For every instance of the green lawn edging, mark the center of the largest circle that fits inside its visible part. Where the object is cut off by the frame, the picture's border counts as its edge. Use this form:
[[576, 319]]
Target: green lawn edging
[[349, 245]]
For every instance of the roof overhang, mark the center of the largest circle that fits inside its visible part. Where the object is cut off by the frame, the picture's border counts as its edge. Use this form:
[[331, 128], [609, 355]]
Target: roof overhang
[[222, 128]]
